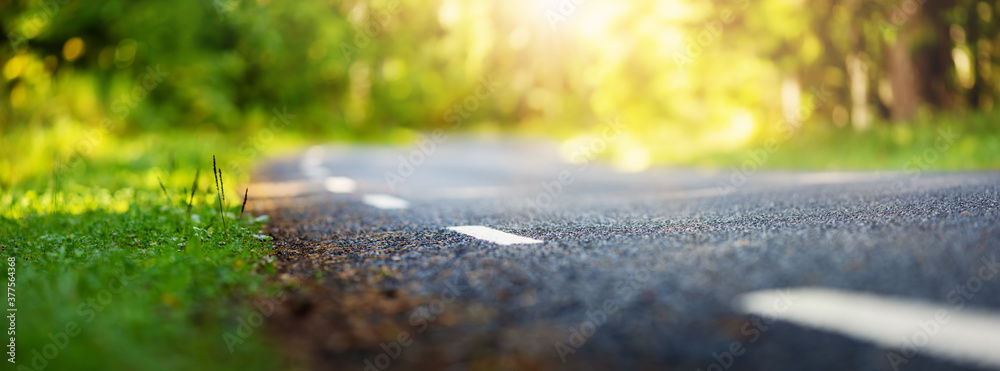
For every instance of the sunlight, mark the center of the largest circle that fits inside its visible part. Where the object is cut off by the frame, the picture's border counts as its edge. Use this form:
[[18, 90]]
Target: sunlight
[[741, 127], [630, 156], [587, 19], [595, 18], [449, 13], [673, 10], [963, 67]]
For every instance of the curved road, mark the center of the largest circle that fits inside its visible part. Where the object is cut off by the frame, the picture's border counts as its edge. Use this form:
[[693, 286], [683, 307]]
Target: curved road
[[497, 254]]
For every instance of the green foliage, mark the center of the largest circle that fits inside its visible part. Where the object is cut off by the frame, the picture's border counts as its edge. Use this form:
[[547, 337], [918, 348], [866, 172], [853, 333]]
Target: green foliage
[[689, 79]]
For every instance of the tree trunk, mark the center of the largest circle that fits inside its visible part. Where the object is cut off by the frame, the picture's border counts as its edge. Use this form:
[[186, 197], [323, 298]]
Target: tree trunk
[[972, 40], [935, 62], [903, 78]]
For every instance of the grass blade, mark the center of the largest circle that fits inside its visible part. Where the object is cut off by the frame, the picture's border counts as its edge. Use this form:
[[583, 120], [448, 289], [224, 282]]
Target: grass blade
[[194, 187], [245, 193], [158, 180], [222, 185], [222, 213]]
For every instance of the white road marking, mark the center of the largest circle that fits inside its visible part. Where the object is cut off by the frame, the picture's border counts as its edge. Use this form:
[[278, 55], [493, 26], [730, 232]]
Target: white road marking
[[382, 201], [313, 168], [339, 185], [315, 151], [493, 235], [962, 335], [311, 164]]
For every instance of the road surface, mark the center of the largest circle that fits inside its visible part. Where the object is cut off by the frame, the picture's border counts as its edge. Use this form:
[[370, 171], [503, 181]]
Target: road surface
[[503, 254]]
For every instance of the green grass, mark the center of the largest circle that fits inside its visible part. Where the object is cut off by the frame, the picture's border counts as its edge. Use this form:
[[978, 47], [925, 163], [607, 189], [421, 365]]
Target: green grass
[[974, 144], [140, 284]]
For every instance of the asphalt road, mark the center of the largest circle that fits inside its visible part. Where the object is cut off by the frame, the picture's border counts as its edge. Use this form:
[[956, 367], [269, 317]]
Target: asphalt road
[[601, 269]]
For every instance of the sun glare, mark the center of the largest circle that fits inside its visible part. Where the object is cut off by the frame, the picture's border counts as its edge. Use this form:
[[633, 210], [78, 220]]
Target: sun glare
[[741, 126]]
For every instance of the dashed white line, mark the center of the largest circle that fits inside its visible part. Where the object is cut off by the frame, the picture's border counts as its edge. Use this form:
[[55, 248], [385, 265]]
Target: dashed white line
[[493, 235], [313, 169], [967, 335], [312, 163], [387, 202], [339, 185]]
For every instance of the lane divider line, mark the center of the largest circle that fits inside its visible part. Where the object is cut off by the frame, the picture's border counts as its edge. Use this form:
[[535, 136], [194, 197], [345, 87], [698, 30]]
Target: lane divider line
[[311, 164], [336, 184], [386, 202], [493, 235], [315, 172], [903, 326]]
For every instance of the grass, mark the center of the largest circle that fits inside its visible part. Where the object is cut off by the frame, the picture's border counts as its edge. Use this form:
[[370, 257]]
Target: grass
[[119, 265], [956, 142]]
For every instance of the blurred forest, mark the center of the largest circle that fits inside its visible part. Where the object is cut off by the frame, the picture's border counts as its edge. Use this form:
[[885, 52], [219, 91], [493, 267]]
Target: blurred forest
[[686, 77]]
